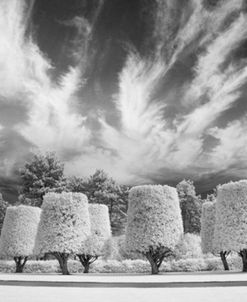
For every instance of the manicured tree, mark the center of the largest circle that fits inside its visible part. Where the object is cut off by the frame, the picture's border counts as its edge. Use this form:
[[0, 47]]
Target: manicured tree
[[190, 205], [64, 224], [98, 242], [208, 221], [3, 207], [231, 219], [18, 234], [154, 224]]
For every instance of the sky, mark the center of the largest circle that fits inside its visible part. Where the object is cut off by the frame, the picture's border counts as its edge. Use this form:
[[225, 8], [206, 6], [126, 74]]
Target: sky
[[151, 91]]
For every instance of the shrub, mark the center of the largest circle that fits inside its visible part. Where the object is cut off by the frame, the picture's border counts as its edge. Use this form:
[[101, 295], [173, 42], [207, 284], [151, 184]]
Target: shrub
[[189, 247], [154, 224], [231, 219], [125, 266], [98, 243], [188, 265], [64, 225], [18, 234], [118, 250]]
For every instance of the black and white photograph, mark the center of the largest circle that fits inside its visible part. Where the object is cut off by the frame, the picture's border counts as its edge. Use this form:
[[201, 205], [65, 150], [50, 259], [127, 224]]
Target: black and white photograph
[[123, 150]]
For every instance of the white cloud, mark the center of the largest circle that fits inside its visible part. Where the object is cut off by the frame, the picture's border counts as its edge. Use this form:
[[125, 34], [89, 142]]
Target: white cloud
[[144, 143], [230, 152], [53, 122]]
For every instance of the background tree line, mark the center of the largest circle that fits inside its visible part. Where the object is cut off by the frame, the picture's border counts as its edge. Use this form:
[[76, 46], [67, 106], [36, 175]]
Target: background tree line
[[45, 173]]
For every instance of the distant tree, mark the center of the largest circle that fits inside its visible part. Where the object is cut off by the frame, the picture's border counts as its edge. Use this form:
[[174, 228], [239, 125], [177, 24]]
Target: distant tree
[[186, 188], [76, 184], [102, 189], [3, 207], [211, 197], [19, 233], [44, 173], [191, 206], [154, 226]]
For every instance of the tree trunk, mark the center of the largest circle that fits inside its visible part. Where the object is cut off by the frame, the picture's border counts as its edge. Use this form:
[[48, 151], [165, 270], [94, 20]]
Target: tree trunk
[[86, 268], [63, 261], [154, 266], [243, 254], [156, 257], [223, 255], [86, 261], [20, 263]]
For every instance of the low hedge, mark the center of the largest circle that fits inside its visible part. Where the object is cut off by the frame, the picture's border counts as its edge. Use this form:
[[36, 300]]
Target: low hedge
[[125, 266]]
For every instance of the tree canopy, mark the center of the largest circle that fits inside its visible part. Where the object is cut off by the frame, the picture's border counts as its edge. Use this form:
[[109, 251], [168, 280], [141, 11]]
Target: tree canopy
[[44, 173], [102, 189], [191, 206]]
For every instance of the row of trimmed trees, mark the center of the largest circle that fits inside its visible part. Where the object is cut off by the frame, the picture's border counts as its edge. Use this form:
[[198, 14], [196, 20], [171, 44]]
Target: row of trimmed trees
[[66, 225], [224, 223]]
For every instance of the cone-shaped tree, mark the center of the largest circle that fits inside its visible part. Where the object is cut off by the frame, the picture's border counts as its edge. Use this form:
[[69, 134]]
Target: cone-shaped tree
[[207, 233], [64, 224], [154, 224], [98, 243], [19, 233], [231, 219]]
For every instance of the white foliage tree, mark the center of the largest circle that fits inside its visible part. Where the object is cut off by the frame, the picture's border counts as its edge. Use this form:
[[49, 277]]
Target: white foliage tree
[[231, 219], [154, 225], [64, 225], [18, 234], [208, 222], [98, 242]]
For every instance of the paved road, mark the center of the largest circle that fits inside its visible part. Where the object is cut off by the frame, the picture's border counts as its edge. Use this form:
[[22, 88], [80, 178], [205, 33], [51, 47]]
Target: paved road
[[79, 294], [172, 287]]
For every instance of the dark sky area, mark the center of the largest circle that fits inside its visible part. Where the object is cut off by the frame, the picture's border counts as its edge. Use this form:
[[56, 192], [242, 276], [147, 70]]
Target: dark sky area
[[152, 91]]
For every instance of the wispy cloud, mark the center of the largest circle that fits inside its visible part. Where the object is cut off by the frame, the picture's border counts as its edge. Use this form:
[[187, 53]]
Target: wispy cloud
[[230, 151], [147, 144], [53, 123], [144, 141]]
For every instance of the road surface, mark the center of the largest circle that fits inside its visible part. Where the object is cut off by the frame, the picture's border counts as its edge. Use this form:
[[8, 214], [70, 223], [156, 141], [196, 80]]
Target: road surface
[[200, 287]]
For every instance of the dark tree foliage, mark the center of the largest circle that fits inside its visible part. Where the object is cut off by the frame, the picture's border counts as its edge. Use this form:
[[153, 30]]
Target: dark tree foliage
[[191, 206], [100, 188], [44, 173]]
